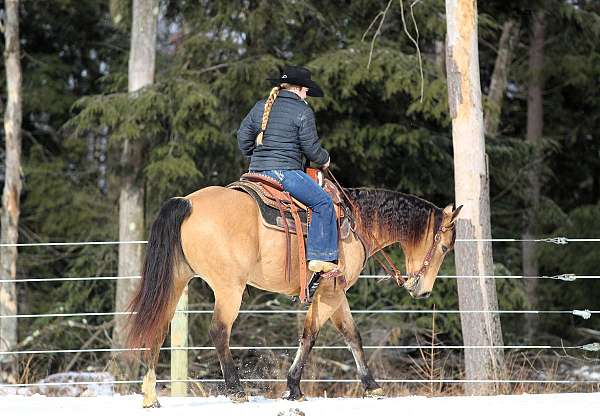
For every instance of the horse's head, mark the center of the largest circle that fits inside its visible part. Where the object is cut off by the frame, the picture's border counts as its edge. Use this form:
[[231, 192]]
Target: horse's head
[[424, 259]]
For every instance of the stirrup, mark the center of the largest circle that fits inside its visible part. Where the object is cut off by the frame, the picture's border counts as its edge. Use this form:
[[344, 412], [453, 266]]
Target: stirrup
[[313, 285]]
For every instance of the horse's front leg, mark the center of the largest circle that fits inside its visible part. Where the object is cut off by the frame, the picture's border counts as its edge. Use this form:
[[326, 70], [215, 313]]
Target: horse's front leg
[[325, 303], [227, 306], [342, 319]]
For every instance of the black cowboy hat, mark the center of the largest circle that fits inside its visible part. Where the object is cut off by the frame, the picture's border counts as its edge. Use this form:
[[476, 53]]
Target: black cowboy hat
[[299, 76]]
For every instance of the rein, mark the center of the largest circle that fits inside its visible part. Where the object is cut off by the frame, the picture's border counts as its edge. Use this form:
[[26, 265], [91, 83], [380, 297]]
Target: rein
[[391, 268]]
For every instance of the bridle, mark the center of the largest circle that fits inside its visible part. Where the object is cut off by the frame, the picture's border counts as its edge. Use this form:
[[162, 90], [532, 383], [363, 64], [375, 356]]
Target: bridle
[[395, 272], [391, 268], [427, 260]]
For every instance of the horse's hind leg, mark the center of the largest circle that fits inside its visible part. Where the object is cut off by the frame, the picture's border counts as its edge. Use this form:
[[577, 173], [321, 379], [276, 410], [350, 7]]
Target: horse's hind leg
[[342, 319], [149, 384], [182, 277], [227, 306]]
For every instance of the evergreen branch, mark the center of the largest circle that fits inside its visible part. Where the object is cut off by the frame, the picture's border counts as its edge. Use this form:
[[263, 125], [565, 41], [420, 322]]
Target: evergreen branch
[[211, 68]]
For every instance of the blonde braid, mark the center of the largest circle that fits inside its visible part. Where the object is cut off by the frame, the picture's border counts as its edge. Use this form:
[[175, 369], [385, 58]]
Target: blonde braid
[[265, 117]]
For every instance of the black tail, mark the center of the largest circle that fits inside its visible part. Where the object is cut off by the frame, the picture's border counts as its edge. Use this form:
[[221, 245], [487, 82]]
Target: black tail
[[147, 327]]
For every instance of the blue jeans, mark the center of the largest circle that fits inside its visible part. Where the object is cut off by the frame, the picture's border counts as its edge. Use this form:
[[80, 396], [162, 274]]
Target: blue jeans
[[322, 239]]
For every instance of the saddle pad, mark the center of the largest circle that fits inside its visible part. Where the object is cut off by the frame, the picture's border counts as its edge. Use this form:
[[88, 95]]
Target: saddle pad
[[270, 216]]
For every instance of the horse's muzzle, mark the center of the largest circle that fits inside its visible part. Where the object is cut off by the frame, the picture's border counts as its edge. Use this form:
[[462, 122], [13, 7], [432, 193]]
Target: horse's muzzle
[[412, 285]]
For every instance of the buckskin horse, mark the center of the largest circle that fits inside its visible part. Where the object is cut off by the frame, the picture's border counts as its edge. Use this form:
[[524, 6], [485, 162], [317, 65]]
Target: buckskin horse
[[217, 233]]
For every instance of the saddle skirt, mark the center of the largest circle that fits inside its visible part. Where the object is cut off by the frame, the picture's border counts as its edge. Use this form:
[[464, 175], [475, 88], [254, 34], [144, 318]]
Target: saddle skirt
[[254, 184]]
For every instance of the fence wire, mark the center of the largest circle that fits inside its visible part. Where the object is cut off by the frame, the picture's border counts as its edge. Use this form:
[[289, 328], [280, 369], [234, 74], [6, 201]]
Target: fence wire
[[281, 380], [585, 313], [586, 347], [552, 240], [565, 277]]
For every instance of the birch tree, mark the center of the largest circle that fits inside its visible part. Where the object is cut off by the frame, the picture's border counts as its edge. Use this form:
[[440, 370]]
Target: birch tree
[[131, 199], [472, 191], [11, 193], [535, 125]]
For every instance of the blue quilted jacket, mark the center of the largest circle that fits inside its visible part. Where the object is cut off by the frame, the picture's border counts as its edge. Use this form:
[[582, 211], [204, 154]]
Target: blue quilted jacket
[[291, 133]]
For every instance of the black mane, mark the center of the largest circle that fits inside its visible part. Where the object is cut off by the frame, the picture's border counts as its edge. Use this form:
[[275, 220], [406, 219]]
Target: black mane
[[403, 217]]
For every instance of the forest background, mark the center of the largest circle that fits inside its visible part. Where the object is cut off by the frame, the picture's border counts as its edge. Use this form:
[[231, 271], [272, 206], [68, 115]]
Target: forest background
[[381, 129]]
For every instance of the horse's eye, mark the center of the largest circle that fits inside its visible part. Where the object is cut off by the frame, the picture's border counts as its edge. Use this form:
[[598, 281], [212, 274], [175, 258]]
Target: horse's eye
[[444, 249]]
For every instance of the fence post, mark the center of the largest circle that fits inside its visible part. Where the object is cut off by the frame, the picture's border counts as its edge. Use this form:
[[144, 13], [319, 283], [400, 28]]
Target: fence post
[[179, 338]]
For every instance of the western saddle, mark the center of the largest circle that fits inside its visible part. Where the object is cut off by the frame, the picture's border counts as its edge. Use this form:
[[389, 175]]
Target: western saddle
[[280, 211]]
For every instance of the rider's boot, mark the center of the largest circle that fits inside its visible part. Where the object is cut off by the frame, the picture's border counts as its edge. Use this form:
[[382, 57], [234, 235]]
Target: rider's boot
[[321, 266]]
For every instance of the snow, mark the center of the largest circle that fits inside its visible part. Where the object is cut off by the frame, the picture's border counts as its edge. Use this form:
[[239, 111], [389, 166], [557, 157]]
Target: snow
[[92, 384], [587, 372], [530, 405]]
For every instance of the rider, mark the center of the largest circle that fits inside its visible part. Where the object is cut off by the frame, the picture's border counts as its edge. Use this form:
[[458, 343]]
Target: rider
[[276, 134]]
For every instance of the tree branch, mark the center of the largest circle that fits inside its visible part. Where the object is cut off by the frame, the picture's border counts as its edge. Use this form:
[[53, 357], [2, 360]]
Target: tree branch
[[415, 41], [377, 32], [100, 329]]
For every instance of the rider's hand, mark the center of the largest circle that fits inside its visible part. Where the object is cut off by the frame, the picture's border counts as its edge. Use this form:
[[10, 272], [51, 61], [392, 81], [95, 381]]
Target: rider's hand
[[326, 165]]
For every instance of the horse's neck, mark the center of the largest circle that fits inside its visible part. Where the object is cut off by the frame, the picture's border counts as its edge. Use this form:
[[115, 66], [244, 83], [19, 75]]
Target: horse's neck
[[379, 238], [384, 227]]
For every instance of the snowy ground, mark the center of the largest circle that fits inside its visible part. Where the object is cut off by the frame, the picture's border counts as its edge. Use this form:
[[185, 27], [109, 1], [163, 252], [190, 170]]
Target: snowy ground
[[529, 405]]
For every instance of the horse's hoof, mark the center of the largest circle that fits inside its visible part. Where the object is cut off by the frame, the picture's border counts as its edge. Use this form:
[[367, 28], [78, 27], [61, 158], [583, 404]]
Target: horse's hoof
[[238, 397], [375, 393], [154, 405], [296, 396]]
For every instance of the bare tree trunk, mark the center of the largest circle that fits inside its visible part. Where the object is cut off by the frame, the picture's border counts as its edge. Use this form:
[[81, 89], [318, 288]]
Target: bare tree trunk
[[510, 34], [440, 55], [131, 200], [472, 190], [12, 188], [535, 125]]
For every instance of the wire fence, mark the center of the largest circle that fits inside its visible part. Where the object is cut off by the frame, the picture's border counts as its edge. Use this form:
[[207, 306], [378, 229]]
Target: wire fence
[[567, 277], [281, 380], [585, 313], [553, 240], [593, 347]]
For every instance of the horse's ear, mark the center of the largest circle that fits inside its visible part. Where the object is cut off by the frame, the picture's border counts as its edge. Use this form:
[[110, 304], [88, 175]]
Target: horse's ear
[[451, 212], [455, 214]]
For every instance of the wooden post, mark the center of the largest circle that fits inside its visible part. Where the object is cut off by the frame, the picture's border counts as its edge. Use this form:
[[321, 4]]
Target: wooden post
[[472, 190], [11, 194], [179, 338]]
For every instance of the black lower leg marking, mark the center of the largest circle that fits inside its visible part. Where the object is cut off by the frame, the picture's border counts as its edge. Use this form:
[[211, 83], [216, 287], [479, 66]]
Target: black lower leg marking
[[295, 374], [220, 336]]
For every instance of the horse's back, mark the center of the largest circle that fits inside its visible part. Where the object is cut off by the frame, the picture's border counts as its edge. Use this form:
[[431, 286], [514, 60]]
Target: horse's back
[[220, 234]]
